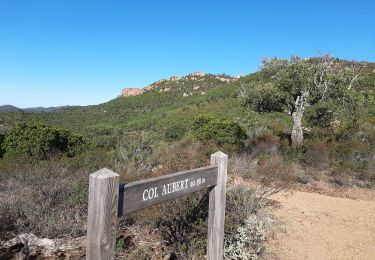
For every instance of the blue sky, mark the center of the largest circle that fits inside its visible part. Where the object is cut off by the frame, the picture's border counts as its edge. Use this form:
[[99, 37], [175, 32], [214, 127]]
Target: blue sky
[[72, 52]]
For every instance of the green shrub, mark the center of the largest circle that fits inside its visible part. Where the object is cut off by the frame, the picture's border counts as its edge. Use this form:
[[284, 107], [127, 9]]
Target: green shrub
[[175, 132], [40, 141], [322, 114], [218, 130]]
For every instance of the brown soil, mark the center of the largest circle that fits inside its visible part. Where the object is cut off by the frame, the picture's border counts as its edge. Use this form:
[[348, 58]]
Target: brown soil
[[319, 226]]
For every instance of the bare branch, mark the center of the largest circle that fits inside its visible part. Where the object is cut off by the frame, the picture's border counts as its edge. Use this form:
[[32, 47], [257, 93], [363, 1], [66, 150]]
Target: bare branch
[[242, 90], [354, 79]]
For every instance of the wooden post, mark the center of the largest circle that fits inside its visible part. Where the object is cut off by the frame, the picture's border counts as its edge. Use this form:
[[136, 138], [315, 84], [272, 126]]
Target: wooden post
[[102, 215], [216, 209]]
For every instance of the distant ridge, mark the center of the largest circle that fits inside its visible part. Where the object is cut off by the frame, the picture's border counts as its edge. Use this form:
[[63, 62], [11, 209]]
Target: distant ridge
[[44, 109], [10, 108], [196, 78]]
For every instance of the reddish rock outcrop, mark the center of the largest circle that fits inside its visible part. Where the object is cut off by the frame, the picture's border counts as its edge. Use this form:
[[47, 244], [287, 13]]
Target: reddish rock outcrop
[[127, 92], [195, 76]]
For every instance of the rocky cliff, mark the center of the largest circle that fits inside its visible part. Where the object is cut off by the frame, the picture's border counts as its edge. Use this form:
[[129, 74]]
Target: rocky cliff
[[196, 79], [127, 92]]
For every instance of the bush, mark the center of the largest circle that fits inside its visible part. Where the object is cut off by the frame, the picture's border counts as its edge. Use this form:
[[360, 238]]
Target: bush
[[242, 165], [247, 242], [40, 141], [266, 144], [183, 222], [175, 132], [245, 225], [184, 225], [316, 155], [352, 161], [219, 130], [134, 154], [275, 172], [240, 203]]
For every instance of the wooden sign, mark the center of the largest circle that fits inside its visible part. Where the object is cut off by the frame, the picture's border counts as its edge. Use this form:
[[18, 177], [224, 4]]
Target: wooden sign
[[107, 201], [146, 193]]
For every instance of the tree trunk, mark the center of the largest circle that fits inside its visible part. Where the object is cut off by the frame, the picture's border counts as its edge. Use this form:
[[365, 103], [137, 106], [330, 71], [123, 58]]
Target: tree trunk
[[299, 108], [297, 130]]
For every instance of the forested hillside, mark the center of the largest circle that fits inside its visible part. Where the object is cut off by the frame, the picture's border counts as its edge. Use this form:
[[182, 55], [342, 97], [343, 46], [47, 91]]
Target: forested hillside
[[176, 125]]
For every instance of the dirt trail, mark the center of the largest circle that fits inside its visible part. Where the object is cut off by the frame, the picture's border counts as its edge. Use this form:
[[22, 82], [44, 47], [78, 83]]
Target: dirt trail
[[317, 226]]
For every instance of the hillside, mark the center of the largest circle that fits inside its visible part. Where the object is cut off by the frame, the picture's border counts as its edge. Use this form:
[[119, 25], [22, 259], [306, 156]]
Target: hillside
[[173, 103], [162, 100], [9, 108], [175, 124], [44, 109], [160, 106], [192, 84]]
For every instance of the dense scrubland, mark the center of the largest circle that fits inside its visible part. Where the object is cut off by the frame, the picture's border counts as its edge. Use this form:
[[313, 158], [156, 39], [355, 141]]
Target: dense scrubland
[[313, 114]]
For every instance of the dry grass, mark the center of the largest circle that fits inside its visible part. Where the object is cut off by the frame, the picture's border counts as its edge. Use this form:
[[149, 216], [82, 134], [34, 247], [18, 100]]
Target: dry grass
[[47, 199]]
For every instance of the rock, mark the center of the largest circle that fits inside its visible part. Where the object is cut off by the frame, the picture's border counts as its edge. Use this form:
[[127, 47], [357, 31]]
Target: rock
[[157, 169], [149, 87], [195, 76], [185, 95], [127, 92], [164, 89], [198, 74], [238, 76], [223, 79], [174, 78], [28, 246], [154, 85]]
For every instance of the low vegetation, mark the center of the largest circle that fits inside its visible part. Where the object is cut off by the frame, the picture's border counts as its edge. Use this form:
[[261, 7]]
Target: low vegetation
[[46, 157], [40, 141], [220, 131]]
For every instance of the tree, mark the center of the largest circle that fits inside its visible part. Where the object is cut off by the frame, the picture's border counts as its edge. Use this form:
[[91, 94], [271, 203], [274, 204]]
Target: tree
[[264, 97], [207, 128], [40, 141], [306, 82]]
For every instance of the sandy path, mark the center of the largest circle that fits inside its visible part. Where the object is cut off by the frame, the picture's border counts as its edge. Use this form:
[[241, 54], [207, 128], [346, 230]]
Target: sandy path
[[316, 226]]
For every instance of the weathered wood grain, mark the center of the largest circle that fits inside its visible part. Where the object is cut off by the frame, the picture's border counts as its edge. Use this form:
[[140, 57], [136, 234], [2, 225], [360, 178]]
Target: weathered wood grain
[[216, 209], [104, 203], [102, 215], [146, 193]]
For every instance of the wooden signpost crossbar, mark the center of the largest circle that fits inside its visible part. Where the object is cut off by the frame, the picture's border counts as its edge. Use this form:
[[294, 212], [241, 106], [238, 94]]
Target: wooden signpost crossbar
[[108, 200]]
